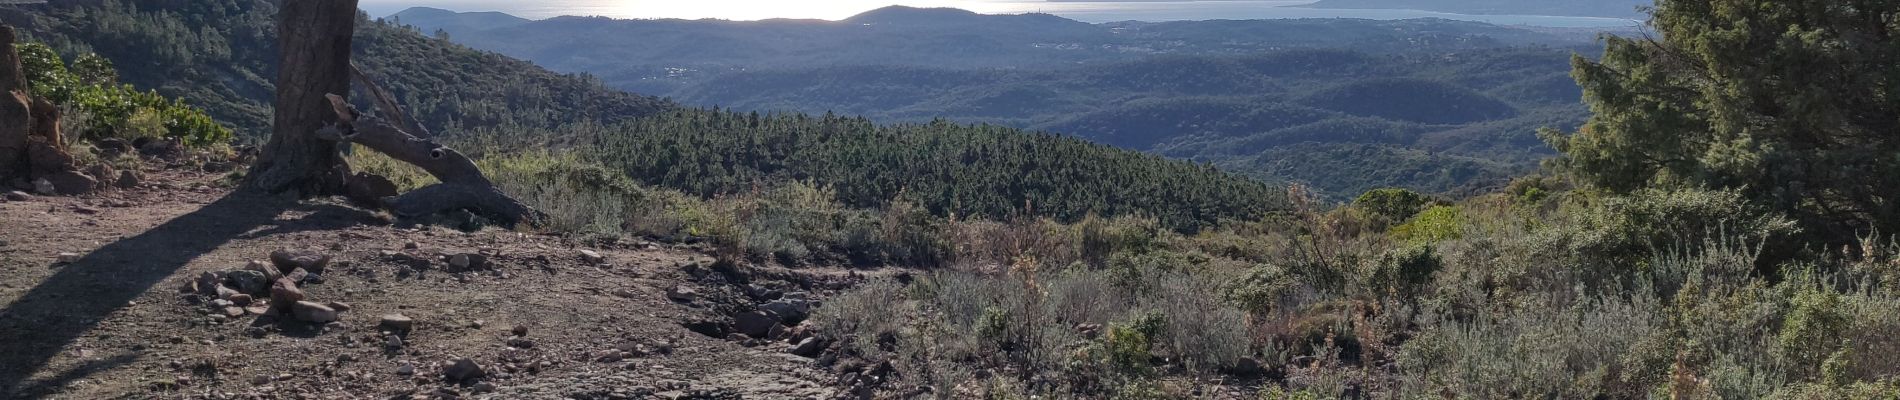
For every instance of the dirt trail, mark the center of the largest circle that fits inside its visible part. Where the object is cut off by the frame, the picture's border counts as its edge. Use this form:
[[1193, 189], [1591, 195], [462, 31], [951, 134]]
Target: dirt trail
[[114, 324]]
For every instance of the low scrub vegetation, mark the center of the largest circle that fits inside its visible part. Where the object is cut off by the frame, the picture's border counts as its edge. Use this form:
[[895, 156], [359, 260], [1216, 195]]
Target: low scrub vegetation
[[1516, 300]]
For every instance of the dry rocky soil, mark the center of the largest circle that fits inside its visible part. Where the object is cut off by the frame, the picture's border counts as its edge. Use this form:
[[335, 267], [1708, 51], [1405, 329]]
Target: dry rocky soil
[[172, 289]]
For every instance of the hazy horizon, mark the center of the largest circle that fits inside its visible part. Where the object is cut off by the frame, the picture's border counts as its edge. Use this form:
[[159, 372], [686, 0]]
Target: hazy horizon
[[1094, 12]]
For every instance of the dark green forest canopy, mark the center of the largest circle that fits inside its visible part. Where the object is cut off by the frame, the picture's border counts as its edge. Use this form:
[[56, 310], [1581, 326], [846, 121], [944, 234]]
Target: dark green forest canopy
[[953, 169], [219, 54]]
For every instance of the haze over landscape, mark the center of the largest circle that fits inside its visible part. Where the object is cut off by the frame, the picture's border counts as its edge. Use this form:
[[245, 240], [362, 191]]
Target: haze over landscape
[[1089, 11]]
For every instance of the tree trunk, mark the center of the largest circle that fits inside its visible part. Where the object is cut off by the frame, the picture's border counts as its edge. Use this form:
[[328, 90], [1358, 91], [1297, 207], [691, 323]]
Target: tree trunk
[[314, 37], [463, 186], [15, 115]]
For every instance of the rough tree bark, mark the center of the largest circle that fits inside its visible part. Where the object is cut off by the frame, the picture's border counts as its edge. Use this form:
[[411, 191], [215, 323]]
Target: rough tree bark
[[15, 116], [463, 186], [314, 37], [313, 118]]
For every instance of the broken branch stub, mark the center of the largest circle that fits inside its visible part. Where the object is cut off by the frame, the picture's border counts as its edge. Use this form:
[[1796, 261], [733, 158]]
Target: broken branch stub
[[462, 187]]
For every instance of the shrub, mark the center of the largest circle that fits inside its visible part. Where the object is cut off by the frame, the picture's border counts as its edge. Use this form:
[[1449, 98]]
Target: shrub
[[114, 110], [1392, 204], [1436, 224]]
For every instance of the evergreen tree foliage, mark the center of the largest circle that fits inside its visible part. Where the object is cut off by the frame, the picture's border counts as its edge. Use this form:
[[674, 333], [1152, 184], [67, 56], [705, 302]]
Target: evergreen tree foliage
[[1795, 103]]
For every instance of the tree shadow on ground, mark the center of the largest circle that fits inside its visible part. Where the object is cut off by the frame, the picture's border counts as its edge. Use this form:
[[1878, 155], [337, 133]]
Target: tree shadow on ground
[[74, 300]]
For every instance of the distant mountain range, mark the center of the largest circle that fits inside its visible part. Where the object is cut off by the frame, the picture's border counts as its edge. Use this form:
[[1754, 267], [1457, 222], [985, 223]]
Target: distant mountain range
[[433, 19], [1580, 8], [1343, 105]]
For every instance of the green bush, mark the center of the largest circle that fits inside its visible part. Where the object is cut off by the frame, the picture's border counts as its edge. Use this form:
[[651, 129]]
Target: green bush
[[114, 110], [1436, 224], [1392, 203]]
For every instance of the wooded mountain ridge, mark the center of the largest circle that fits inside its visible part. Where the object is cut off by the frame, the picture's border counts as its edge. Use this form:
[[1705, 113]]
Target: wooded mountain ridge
[[1435, 105]]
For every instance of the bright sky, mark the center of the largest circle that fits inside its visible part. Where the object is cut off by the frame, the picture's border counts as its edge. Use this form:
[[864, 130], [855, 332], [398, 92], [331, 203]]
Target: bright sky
[[692, 9]]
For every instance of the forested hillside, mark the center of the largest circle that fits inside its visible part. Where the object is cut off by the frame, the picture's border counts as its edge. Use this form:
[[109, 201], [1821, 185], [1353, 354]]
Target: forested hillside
[[221, 54], [1582, 8], [1456, 104], [1438, 123], [481, 98]]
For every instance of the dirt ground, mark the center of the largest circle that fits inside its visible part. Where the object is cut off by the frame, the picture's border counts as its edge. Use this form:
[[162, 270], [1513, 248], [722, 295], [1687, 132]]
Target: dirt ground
[[113, 322]]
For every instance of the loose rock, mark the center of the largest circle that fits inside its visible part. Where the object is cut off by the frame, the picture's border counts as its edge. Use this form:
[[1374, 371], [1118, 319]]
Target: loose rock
[[247, 281], [127, 180], [756, 324], [44, 187], [72, 182], [463, 369], [18, 196], [269, 270], [810, 347], [468, 261], [682, 293], [791, 311], [397, 323], [313, 312], [285, 292], [290, 259], [592, 257], [68, 258]]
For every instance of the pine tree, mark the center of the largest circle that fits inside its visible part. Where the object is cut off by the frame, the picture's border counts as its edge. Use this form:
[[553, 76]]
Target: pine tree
[[1794, 102]]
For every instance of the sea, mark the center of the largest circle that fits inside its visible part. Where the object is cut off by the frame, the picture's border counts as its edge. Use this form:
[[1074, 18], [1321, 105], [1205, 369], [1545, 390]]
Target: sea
[[1096, 12]]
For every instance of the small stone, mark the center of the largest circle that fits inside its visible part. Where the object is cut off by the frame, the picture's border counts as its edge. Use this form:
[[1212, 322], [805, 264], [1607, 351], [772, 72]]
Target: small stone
[[592, 257], [291, 259], [397, 323], [339, 306], [269, 271], [44, 187], [483, 387], [463, 369], [247, 281], [285, 292], [411, 245], [810, 347], [756, 324], [18, 196], [406, 369], [468, 261], [127, 180], [233, 312], [789, 310], [313, 312], [393, 342], [72, 183], [69, 258], [297, 276], [519, 330], [520, 343], [240, 299], [682, 293]]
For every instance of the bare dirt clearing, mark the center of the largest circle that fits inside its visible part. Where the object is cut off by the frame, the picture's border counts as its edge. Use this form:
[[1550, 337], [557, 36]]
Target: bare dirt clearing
[[538, 318]]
